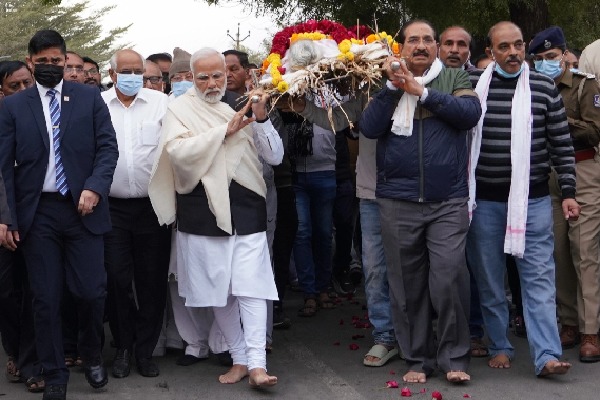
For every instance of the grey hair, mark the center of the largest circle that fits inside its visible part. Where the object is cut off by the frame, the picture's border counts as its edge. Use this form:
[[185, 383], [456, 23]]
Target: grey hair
[[113, 59], [303, 53], [204, 53]]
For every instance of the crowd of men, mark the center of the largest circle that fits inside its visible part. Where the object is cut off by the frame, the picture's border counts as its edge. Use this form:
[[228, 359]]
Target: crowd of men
[[172, 204]]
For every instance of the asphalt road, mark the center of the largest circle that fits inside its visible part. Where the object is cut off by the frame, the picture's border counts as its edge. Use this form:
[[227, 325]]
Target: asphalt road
[[313, 360]]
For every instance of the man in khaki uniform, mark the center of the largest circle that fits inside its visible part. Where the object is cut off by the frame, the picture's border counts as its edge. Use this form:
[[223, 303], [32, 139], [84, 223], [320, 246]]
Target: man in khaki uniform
[[576, 242]]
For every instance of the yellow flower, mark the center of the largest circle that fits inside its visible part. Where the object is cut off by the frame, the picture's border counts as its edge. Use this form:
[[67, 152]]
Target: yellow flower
[[371, 38], [357, 41], [344, 46], [396, 48], [272, 57], [282, 86], [349, 55], [341, 57]]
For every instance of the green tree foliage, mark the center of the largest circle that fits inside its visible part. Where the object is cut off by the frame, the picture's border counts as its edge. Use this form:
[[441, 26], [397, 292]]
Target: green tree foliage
[[578, 18], [77, 23]]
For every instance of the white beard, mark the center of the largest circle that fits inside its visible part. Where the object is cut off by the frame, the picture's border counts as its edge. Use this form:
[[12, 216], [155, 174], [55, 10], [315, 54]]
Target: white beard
[[214, 96]]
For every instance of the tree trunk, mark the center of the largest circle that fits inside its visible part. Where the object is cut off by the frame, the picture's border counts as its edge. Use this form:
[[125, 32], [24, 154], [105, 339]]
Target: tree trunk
[[531, 16]]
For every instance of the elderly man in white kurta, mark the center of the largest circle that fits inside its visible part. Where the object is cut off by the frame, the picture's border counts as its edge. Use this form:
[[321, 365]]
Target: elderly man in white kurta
[[208, 178]]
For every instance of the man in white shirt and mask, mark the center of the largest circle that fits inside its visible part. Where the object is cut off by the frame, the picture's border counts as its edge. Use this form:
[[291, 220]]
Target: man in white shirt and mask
[[137, 248]]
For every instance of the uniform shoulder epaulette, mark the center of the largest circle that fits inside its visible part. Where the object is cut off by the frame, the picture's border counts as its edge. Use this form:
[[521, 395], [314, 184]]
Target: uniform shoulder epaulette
[[584, 74]]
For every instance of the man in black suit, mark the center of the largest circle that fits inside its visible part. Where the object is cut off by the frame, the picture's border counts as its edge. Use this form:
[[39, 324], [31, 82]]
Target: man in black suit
[[4, 213], [58, 152]]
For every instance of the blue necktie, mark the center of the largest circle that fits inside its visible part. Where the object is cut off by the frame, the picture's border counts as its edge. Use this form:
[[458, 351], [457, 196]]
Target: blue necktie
[[61, 179]]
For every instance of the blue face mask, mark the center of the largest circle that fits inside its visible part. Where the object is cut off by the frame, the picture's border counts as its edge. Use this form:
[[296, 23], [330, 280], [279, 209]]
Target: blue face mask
[[129, 84], [505, 74], [549, 68], [180, 88]]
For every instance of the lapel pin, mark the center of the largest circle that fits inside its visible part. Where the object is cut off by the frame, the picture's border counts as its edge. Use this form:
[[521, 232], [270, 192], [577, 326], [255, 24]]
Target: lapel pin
[[66, 98]]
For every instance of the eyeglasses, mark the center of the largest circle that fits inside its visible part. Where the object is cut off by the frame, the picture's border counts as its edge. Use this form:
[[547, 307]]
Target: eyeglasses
[[180, 77], [91, 71], [78, 70], [205, 77], [153, 79], [414, 41], [128, 72]]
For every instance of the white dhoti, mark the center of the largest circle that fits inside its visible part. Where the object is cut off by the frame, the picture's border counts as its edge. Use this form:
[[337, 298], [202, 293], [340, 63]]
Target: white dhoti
[[233, 274], [210, 268]]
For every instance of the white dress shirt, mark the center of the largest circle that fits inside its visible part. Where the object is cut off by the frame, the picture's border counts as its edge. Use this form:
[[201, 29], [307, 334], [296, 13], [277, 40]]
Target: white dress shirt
[[50, 177], [138, 132], [268, 142]]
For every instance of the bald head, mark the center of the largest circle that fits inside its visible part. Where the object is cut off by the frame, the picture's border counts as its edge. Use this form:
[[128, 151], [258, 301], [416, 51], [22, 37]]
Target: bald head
[[126, 56], [502, 26]]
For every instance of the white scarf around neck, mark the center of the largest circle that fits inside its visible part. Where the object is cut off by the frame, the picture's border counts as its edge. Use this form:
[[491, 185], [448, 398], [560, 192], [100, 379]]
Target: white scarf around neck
[[405, 110], [520, 155]]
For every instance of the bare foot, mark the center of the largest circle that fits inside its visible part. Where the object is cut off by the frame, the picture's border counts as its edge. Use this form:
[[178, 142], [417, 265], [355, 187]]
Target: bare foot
[[500, 361], [259, 377], [555, 367], [457, 376], [235, 374], [414, 377]]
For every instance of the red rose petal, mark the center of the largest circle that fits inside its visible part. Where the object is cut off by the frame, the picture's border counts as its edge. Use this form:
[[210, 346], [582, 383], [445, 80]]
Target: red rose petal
[[336, 343], [392, 372], [353, 346], [467, 396], [423, 390], [405, 392], [436, 396], [391, 384]]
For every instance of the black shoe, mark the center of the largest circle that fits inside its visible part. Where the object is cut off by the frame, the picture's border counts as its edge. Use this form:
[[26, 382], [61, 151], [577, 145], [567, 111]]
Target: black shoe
[[55, 392], [121, 365], [355, 275], [148, 368], [225, 359], [187, 360], [342, 285], [520, 328], [280, 321], [96, 375]]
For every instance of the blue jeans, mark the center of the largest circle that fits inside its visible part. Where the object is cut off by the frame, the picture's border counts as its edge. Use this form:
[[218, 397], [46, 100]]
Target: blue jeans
[[376, 281], [315, 194], [485, 252]]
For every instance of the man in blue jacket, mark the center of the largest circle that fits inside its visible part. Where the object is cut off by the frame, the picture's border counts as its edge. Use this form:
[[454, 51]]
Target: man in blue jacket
[[421, 119]]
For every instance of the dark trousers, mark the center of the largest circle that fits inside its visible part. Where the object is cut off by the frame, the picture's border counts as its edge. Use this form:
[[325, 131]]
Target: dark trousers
[[16, 314], [424, 245], [136, 255], [59, 249], [514, 283], [344, 217], [283, 243]]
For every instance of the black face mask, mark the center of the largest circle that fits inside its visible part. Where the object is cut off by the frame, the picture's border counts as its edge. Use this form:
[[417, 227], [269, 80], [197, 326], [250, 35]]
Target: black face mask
[[48, 75]]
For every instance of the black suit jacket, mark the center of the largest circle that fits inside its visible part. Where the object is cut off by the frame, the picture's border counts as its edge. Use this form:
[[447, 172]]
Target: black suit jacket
[[88, 149], [4, 213]]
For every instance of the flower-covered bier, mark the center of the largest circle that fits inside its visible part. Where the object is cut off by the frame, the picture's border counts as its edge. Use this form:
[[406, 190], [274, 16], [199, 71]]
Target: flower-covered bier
[[305, 55]]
